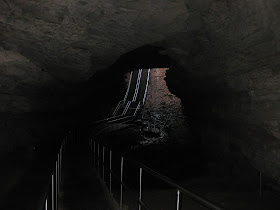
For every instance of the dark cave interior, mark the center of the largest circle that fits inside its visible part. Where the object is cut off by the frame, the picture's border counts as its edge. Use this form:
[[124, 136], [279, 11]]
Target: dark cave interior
[[211, 123]]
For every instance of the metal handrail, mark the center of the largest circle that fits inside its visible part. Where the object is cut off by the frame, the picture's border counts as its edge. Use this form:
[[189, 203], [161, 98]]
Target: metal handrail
[[137, 85], [126, 107], [170, 182], [135, 92], [53, 190], [128, 87], [122, 118], [117, 108], [112, 125], [106, 120], [152, 172], [118, 178], [126, 94], [147, 84], [111, 120], [138, 107]]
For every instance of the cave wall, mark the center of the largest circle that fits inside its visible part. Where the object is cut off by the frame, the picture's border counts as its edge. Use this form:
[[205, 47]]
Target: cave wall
[[163, 110], [49, 48], [226, 53], [229, 79], [71, 39]]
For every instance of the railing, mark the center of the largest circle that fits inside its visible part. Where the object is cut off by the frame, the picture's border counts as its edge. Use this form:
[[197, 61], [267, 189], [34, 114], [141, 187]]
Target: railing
[[109, 119], [128, 87], [126, 107], [135, 92], [137, 85], [122, 102], [53, 189], [101, 123], [98, 158], [117, 108], [124, 99], [147, 84], [137, 108], [145, 94], [112, 124]]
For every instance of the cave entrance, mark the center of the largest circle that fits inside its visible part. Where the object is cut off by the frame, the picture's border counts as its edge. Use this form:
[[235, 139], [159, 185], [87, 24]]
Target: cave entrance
[[110, 85], [162, 115]]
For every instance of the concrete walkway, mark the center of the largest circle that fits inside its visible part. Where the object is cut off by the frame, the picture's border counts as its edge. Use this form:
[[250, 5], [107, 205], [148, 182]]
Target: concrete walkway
[[81, 189]]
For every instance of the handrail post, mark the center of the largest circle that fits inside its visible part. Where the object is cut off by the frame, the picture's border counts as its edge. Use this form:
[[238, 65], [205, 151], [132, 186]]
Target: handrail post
[[65, 142], [53, 201], [58, 172], [103, 160], [140, 188], [46, 204], [178, 200], [94, 155], [56, 185], [90, 149], [98, 157], [110, 168], [260, 174], [121, 197], [60, 163], [180, 190]]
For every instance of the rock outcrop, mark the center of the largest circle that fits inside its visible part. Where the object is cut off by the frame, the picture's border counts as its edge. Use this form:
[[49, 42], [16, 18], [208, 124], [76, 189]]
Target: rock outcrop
[[230, 78], [72, 39], [48, 48], [226, 52]]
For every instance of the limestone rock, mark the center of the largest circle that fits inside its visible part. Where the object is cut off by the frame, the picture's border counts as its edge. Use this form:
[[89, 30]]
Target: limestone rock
[[231, 85], [72, 39], [227, 53]]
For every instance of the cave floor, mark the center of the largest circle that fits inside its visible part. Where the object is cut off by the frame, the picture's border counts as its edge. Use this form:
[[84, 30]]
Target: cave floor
[[81, 188]]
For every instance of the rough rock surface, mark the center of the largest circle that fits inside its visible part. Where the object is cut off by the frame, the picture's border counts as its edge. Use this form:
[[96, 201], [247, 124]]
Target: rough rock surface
[[72, 39], [19, 79], [230, 78], [48, 48], [163, 110], [227, 52]]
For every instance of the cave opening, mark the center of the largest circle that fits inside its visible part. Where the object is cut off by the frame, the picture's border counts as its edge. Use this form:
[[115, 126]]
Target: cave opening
[[63, 65], [172, 136], [163, 123], [182, 152]]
